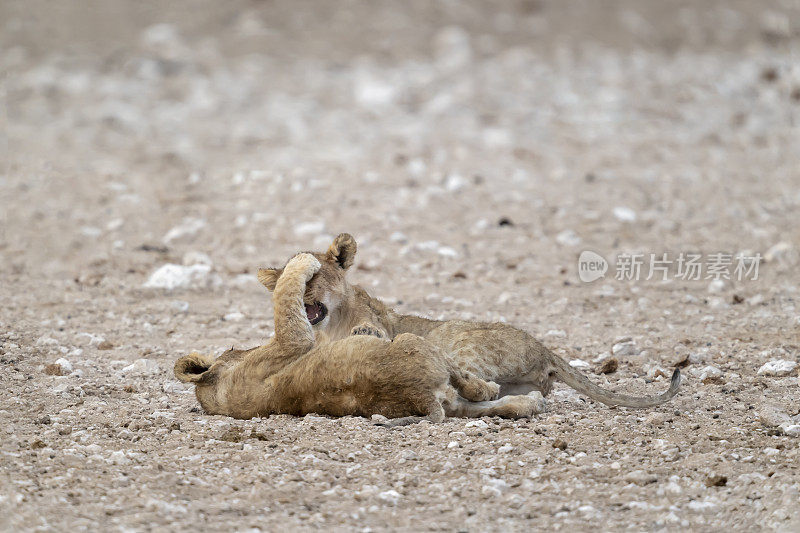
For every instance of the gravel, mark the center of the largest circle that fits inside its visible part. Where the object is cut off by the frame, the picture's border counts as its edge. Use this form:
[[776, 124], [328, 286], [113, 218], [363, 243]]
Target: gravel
[[473, 151]]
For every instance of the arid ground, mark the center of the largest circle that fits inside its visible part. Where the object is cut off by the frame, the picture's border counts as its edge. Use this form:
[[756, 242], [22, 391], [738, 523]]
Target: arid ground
[[474, 150]]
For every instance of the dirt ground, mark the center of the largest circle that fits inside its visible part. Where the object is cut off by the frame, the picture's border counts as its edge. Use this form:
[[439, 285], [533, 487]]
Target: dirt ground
[[474, 150]]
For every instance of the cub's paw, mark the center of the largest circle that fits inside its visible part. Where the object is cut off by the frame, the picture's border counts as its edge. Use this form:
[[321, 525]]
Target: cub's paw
[[521, 406], [477, 390], [306, 263], [367, 329]]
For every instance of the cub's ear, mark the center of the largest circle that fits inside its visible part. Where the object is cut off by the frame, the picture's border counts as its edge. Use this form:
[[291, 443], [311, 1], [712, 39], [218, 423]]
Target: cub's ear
[[269, 277], [192, 368], [343, 250]]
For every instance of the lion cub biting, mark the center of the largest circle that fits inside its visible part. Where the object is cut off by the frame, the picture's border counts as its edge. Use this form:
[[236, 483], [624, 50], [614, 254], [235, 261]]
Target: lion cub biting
[[494, 352], [401, 379]]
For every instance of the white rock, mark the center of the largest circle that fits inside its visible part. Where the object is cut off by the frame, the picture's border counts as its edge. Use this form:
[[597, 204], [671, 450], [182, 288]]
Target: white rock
[[446, 251], [625, 348], [716, 286], [568, 238], [369, 91], [141, 367], [172, 276], [579, 364], [452, 444], [710, 372], [196, 258], [494, 487], [480, 424], [233, 316], [175, 387], [455, 182], [180, 306], [556, 333], [118, 458], [66, 366], [792, 430], [777, 368], [777, 252], [772, 416], [505, 448], [398, 236], [309, 228], [188, 228], [625, 214], [392, 497], [769, 451]]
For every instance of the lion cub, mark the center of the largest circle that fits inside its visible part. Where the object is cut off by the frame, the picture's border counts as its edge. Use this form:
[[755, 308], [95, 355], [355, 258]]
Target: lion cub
[[494, 352], [402, 379]]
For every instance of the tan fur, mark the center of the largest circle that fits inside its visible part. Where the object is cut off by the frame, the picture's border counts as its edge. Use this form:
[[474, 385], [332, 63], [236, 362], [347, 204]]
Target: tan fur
[[358, 375], [494, 352]]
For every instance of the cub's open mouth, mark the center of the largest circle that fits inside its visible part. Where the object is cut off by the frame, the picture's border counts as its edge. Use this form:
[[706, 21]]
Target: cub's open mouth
[[316, 312]]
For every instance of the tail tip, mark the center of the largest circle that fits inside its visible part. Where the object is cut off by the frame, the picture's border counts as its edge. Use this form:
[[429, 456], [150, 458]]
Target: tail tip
[[676, 379]]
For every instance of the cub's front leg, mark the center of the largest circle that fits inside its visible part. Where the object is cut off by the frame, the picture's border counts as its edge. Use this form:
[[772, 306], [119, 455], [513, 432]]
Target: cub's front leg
[[366, 328]]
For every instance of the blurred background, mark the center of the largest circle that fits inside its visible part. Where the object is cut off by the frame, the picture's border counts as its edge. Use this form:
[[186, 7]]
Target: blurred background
[[154, 154], [246, 130]]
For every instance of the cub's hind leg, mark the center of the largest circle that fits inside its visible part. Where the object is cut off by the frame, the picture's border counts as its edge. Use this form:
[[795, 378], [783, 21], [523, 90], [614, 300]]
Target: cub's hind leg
[[469, 385], [506, 407]]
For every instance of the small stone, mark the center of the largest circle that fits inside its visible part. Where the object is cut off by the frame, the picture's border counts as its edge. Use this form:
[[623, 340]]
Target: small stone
[[392, 497], [608, 366], [37, 445], [186, 229], [104, 345], [480, 424], [53, 370], [716, 286], [777, 368], [624, 214], [625, 348], [711, 375], [716, 480], [792, 430], [141, 367], [505, 221], [640, 477], [309, 228], [560, 444], [568, 238], [45, 420], [234, 316], [505, 448], [172, 276], [129, 388], [771, 416], [777, 252], [579, 364]]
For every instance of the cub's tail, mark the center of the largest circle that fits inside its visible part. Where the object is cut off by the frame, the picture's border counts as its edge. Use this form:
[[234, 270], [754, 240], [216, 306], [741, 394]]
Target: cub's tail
[[581, 383]]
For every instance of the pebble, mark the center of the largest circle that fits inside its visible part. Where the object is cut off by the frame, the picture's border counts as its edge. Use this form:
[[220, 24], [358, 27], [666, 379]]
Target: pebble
[[568, 238], [777, 252], [141, 367], [608, 366], [625, 348], [309, 228], [772, 416], [777, 368], [579, 364], [196, 258], [711, 374], [186, 229], [624, 214], [172, 276], [233, 316], [480, 424], [392, 497], [716, 287], [792, 430]]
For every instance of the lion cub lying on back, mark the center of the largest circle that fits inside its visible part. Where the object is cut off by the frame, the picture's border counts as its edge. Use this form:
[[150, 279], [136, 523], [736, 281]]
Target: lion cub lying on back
[[360, 375], [493, 352]]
